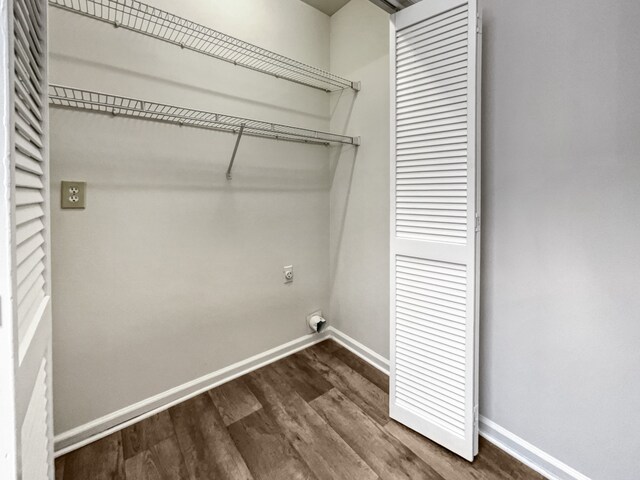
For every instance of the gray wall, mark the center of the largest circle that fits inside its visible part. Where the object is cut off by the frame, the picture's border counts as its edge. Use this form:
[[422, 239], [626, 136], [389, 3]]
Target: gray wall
[[172, 272], [560, 330], [360, 187]]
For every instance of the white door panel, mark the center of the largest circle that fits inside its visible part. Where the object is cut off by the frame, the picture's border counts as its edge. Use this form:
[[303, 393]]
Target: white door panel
[[26, 449], [434, 214]]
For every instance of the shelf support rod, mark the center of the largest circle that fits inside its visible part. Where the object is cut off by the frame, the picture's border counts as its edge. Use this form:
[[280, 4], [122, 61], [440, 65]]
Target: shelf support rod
[[235, 150]]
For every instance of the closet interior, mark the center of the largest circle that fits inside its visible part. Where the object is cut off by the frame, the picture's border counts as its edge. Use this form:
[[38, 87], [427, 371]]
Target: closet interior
[[319, 239]]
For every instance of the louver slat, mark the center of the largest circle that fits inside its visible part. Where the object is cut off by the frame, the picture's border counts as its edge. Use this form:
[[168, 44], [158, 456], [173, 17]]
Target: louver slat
[[24, 112], [26, 231], [30, 280], [29, 246], [27, 213], [28, 180], [31, 301], [29, 166], [24, 145], [26, 196], [29, 264], [27, 131]]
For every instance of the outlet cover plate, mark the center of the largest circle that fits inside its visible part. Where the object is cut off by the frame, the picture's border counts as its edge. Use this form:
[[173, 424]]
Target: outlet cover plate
[[73, 194], [287, 272]]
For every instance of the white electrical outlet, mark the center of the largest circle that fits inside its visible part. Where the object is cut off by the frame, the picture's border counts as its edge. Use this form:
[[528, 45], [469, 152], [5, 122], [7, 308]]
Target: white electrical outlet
[[288, 273]]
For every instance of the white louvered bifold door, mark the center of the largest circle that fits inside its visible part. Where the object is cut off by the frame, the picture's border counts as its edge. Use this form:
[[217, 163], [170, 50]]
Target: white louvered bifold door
[[26, 450], [435, 221]]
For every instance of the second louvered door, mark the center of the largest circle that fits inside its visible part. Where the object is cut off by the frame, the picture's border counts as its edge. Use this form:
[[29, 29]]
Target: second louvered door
[[435, 222], [26, 427]]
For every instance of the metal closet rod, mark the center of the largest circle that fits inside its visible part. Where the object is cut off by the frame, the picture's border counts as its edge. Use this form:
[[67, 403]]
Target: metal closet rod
[[147, 20], [70, 97]]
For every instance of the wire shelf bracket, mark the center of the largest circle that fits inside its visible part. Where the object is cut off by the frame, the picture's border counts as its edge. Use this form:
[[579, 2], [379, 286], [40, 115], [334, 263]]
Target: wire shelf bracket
[[76, 98], [235, 150], [153, 22]]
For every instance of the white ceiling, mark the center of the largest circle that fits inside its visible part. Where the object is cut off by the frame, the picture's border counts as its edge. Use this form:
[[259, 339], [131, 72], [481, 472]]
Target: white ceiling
[[327, 6]]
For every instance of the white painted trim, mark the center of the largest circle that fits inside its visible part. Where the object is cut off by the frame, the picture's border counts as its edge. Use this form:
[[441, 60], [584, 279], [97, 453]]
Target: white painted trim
[[108, 424], [530, 455], [515, 446], [368, 355]]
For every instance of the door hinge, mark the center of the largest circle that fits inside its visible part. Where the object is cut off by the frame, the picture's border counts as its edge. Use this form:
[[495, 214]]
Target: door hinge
[[477, 222], [478, 24], [476, 416]]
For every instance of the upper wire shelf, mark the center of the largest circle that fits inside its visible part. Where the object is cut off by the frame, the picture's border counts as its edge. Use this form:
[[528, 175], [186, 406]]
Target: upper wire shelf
[[147, 20], [102, 102]]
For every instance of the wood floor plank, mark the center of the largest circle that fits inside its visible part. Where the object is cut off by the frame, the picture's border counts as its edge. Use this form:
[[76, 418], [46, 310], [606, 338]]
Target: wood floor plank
[[208, 450], [59, 464], [373, 401], [386, 455], [162, 461], [320, 413], [306, 380], [141, 436], [329, 345], [234, 401], [491, 458], [447, 464], [142, 467], [368, 371], [268, 453], [322, 449], [100, 460]]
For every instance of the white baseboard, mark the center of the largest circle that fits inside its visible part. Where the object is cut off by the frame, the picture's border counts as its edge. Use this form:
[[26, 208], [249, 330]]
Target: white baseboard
[[530, 455], [108, 424], [75, 438], [540, 461], [359, 349]]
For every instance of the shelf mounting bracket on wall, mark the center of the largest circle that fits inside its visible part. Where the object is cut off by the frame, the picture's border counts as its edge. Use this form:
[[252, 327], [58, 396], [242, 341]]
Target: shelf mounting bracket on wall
[[235, 150]]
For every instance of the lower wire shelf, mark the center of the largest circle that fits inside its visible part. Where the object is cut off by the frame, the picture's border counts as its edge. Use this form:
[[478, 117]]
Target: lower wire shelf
[[70, 97]]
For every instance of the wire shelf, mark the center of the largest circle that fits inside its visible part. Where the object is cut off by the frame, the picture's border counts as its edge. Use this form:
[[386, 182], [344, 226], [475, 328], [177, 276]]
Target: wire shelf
[[147, 20], [70, 97]]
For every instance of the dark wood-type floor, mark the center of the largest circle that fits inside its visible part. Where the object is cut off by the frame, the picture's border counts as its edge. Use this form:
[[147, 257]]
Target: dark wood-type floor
[[318, 414]]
